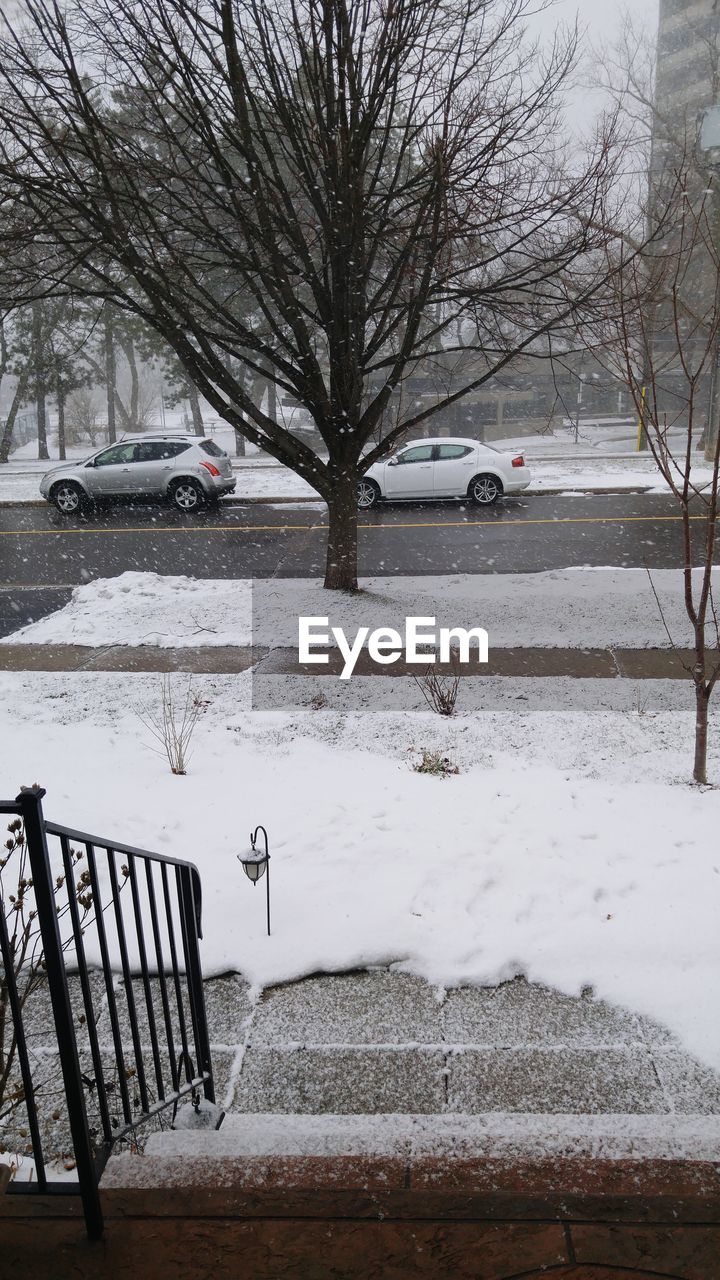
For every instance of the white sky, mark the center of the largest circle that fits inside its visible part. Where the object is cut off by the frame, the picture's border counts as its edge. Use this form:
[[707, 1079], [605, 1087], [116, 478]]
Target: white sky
[[603, 17], [601, 21]]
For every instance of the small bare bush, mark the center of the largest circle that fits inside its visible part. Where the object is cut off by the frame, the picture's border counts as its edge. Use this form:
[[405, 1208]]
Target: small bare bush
[[436, 764], [640, 701], [440, 692], [82, 421], [172, 723]]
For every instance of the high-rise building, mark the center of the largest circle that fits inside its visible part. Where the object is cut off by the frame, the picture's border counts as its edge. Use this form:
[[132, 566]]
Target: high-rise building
[[688, 68]]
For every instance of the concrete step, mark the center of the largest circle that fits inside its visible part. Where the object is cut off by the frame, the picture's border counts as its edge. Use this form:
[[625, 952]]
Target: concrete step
[[494, 1135]]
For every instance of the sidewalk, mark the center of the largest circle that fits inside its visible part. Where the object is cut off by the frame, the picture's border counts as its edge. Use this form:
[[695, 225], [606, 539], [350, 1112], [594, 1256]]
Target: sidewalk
[[587, 663]]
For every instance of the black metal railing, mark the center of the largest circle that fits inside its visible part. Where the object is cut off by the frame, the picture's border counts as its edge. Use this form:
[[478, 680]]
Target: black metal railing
[[99, 942]]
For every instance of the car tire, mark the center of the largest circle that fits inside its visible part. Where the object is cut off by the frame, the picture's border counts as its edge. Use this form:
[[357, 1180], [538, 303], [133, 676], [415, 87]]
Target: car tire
[[484, 489], [187, 496], [368, 494], [69, 498]]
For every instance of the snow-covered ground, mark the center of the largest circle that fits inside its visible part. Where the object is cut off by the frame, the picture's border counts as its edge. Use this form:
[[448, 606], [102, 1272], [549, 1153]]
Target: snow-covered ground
[[573, 608], [568, 848]]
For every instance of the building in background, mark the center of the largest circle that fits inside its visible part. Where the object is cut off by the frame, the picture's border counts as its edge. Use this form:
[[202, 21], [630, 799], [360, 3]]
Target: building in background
[[687, 84]]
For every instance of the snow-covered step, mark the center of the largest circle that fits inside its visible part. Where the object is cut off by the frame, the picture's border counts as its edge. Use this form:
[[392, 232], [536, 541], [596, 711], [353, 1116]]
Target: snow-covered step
[[169, 1156]]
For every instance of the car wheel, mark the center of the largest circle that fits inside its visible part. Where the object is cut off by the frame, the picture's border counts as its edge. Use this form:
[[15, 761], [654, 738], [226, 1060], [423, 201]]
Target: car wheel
[[187, 495], [368, 493], [484, 490], [69, 497]]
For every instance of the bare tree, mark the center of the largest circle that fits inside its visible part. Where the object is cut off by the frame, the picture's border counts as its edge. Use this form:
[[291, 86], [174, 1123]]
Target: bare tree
[[11, 363], [82, 419], [40, 373], [324, 192], [660, 335]]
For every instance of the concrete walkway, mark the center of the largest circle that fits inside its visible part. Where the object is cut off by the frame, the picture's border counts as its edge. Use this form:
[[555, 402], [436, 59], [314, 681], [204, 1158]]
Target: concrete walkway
[[382, 1043], [609, 663], [379, 1062]]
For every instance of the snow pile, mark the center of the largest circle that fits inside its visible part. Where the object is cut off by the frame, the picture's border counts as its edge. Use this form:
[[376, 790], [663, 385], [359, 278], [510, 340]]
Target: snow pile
[[573, 608], [148, 609], [514, 866]]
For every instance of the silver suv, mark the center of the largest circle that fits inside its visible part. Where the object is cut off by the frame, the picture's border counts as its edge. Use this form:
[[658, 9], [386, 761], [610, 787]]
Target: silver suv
[[190, 471]]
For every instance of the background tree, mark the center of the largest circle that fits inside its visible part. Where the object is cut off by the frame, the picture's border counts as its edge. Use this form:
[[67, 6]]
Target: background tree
[[14, 363], [666, 369], [320, 192], [40, 372], [114, 345]]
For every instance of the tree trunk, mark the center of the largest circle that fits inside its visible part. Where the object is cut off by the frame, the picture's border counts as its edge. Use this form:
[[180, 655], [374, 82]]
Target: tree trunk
[[110, 371], [9, 427], [239, 444], [196, 411], [129, 352], [272, 400], [39, 376], [701, 734], [61, 419], [341, 567]]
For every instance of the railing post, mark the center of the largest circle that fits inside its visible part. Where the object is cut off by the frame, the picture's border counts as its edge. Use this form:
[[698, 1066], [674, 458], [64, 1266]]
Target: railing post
[[190, 921], [30, 804]]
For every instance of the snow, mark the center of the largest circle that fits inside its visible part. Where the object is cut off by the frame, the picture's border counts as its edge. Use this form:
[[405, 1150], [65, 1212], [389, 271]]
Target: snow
[[567, 849], [148, 609], [23, 1169], [577, 608], [496, 1134]]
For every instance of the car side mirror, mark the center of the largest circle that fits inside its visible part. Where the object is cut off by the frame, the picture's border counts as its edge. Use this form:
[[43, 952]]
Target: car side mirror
[[91, 463], [393, 462]]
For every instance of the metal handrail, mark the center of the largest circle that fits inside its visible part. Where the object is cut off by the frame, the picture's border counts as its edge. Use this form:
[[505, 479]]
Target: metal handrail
[[146, 920]]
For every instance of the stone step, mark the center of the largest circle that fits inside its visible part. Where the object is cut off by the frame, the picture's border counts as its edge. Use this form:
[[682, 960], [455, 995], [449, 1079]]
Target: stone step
[[494, 1135]]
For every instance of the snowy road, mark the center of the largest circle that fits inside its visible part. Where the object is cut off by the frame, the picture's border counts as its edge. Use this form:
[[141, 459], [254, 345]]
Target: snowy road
[[524, 535], [42, 555]]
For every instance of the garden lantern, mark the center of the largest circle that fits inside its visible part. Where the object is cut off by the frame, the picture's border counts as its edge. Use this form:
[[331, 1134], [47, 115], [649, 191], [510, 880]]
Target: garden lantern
[[256, 864]]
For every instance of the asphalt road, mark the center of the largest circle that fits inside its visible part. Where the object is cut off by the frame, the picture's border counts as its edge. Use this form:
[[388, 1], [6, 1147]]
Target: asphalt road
[[43, 555]]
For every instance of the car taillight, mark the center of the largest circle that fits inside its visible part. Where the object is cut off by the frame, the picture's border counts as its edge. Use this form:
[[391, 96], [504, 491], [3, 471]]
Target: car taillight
[[519, 461], [214, 471]]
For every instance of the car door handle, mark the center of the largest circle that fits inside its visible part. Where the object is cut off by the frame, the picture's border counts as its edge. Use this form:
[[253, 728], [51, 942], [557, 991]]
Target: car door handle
[[126, 468]]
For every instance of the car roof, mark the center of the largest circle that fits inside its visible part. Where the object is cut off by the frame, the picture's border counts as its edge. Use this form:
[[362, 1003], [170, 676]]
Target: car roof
[[130, 436], [443, 440]]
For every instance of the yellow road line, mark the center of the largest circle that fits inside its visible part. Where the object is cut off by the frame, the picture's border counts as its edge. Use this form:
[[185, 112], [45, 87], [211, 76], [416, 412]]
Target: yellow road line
[[499, 524], [229, 528], [283, 528]]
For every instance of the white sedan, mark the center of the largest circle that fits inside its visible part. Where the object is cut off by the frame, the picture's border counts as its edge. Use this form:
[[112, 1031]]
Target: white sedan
[[444, 468]]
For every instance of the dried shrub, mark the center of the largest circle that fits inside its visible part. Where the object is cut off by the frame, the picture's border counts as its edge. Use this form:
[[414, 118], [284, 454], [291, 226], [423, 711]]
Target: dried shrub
[[436, 764], [172, 723], [440, 691], [27, 961]]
